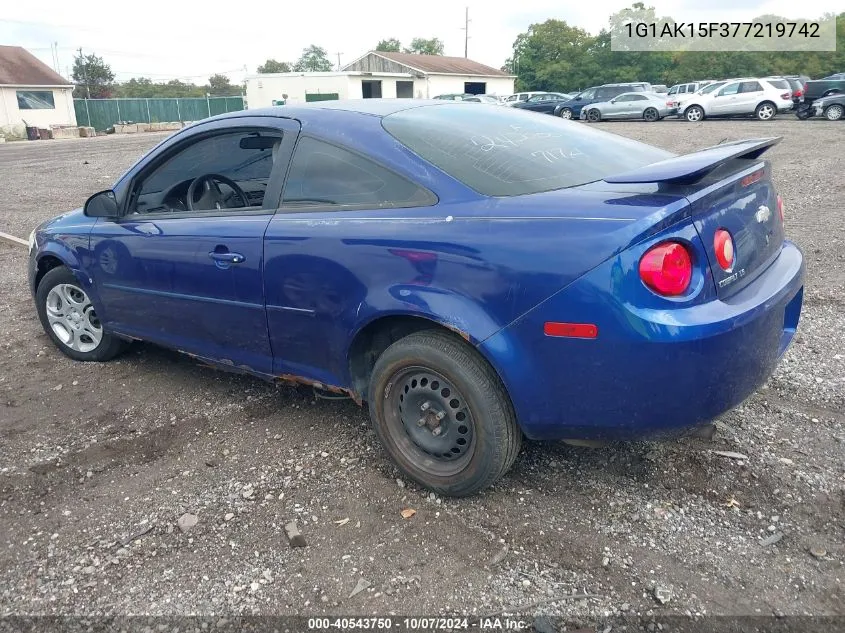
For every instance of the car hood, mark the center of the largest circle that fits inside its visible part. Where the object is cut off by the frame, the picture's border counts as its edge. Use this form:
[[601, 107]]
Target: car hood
[[76, 217]]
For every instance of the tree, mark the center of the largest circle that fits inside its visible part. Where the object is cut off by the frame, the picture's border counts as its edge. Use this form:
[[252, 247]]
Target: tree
[[313, 59], [92, 76], [272, 66], [220, 86], [422, 46], [391, 45]]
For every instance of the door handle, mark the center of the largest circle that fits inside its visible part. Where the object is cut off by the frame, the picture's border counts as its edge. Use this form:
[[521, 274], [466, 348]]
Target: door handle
[[227, 258]]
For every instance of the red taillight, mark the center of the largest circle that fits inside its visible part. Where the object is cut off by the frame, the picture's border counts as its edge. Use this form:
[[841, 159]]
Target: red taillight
[[780, 208], [797, 92], [667, 269], [723, 244]]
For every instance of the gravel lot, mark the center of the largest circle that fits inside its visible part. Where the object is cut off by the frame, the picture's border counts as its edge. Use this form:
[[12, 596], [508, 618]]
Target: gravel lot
[[98, 462]]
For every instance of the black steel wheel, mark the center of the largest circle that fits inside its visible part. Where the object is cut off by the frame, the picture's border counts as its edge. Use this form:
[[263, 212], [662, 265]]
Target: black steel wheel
[[594, 115], [442, 413], [651, 115]]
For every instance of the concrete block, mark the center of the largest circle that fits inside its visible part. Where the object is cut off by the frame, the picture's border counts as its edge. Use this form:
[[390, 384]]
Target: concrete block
[[65, 132], [155, 127], [143, 127], [87, 132]]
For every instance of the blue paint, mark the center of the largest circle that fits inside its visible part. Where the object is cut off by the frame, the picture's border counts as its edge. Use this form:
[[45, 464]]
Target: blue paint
[[285, 292]]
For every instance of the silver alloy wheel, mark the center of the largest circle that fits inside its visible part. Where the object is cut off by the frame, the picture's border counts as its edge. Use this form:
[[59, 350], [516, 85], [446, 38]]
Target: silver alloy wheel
[[834, 112], [72, 318], [694, 114], [566, 113], [765, 112]]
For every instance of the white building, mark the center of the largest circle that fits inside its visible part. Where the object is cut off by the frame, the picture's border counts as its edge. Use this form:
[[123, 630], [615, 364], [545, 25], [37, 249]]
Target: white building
[[31, 93], [380, 74]]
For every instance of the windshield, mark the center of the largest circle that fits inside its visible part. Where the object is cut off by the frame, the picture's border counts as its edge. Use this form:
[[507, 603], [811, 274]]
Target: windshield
[[711, 87], [510, 152]]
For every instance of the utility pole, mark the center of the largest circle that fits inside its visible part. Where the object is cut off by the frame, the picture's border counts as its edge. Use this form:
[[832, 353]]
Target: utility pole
[[338, 60], [466, 33], [85, 75]]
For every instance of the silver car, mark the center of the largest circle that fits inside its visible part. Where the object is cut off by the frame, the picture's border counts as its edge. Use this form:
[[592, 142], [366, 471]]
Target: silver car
[[648, 106]]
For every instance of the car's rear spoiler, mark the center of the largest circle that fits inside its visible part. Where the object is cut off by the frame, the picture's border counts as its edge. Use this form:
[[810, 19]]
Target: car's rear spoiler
[[689, 168]]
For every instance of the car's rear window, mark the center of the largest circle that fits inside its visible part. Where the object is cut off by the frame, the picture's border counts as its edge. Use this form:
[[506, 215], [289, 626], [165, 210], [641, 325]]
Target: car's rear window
[[510, 152], [781, 84]]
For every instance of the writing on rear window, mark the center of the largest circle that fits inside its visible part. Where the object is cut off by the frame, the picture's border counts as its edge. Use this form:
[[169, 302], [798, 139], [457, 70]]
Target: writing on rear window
[[506, 152]]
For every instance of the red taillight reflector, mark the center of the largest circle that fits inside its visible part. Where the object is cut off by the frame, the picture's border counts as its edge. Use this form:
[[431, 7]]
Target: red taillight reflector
[[723, 244], [750, 179], [780, 208], [571, 330], [667, 269]]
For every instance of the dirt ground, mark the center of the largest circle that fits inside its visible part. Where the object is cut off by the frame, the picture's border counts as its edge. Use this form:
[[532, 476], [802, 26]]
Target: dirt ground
[[99, 461]]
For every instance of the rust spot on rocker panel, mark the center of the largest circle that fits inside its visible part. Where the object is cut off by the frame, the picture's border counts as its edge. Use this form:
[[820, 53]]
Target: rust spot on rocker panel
[[292, 379]]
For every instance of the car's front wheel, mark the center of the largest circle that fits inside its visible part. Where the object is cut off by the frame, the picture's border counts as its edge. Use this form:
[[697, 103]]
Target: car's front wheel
[[834, 112], [442, 414], [566, 113], [68, 316], [694, 114], [594, 115]]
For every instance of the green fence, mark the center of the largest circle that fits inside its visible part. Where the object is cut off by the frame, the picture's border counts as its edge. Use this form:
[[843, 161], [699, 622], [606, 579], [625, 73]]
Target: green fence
[[325, 96], [103, 113]]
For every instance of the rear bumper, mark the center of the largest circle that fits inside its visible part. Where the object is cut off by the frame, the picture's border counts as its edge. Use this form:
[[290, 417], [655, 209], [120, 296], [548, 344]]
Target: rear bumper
[[659, 371]]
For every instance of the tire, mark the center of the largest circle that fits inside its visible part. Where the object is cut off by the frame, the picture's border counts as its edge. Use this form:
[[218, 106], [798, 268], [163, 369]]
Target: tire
[[694, 114], [408, 406], [69, 319], [594, 116], [651, 115], [566, 113], [834, 112], [766, 111]]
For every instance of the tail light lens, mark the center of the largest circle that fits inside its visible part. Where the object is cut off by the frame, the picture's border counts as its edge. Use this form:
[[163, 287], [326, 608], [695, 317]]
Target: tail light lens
[[780, 208], [723, 244], [786, 95], [798, 92], [667, 269]]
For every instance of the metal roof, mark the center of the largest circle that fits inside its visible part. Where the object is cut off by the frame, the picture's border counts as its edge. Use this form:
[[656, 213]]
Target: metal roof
[[441, 64]]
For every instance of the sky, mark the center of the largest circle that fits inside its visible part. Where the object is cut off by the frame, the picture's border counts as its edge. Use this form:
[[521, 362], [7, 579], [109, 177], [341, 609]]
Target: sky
[[189, 41]]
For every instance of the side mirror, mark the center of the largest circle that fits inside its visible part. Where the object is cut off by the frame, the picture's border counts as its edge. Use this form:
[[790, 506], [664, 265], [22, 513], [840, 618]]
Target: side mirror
[[101, 205]]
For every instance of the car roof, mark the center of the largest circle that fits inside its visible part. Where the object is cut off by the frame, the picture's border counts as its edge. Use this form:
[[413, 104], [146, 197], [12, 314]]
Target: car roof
[[317, 109]]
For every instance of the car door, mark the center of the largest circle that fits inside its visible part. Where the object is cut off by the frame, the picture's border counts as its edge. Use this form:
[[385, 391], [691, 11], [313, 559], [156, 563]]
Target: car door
[[616, 107], [636, 104], [189, 275], [749, 95], [725, 100], [328, 251]]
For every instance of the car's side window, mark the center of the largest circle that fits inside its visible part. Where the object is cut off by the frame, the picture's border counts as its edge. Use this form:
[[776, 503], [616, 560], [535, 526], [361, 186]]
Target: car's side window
[[217, 173], [623, 98], [730, 89], [750, 86], [325, 175], [638, 98], [588, 94]]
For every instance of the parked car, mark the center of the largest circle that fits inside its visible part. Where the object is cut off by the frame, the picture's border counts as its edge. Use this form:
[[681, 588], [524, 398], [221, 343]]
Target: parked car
[[660, 89], [686, 88], [453, 97], [676, 103], [763, 98], [520, 96], [648, 106], [815, 89], [331, 245], [544, 102], [796, 84], [831, 107], [482, 99], [572, 108]]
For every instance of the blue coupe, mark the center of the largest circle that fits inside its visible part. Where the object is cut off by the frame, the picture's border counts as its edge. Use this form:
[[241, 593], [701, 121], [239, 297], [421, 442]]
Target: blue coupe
[[474, 273]]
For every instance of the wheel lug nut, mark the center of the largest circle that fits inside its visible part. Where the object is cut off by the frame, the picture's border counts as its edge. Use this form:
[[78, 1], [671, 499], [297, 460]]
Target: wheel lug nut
[[437, 430], [425, 406], [421, 422], [440, 415]]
